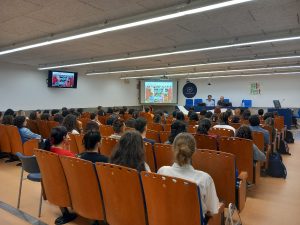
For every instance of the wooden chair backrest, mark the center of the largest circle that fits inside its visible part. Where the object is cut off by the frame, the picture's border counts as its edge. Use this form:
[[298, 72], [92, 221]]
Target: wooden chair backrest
[[192, 122], [246, 122], [54, 180], [154, 135], [52, 124], [32, 125], [84, 121], [222, 132], [155, 126], [243, 151], [170, 200], [164, 136], [164, 155], [279, 123], [102, 119], [192, 129], [169, 120], [107, 146], [221, 167], [167, 127], [258, 140], [127, 116], [72, 144], [84, 187], [235, 125], [149, 156], [122, 194], [14, 139], [106, 130], [206, 142], [43, 128], [80, 146], [4, 140]]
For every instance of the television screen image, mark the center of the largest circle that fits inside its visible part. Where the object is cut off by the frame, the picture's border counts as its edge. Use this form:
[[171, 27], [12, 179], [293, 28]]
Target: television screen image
[[159, 92], [60, 79]]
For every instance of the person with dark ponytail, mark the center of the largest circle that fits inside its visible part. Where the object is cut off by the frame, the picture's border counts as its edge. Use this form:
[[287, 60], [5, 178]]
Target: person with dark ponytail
[[204, 126], [184, 147], [57, 141], [91, 141]]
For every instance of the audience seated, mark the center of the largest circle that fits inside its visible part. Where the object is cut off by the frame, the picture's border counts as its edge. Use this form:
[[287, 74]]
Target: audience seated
[[45, 116], [194, 117], [184, 147], [254, 126], [32, 115], [141, 126], [54, 112], [202, 114], [208, 115], [91, 125], [177, 127], [235, 119], [217, 110], [180, 116], [93, 117], [223, 122], [58, 118], [246, 114], [204, 126], [237, 112], [268, 115], [191, 109], [270, 122], [9, 112], [245, 132], [91, 142], [20, 122], [70, 123], [57, 141], [119, 129], [130, 123], [130, 152], [7, 120]]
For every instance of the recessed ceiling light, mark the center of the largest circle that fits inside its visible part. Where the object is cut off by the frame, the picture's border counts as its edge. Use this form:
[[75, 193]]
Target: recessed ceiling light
[[294, 38], [137, 23]]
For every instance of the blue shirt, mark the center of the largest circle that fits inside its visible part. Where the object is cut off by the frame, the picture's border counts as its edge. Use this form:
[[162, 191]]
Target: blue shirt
[[262, 130], [210, 103], [26, 134]]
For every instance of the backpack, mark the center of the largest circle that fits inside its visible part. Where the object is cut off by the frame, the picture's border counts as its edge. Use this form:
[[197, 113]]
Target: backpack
[[289, 137], [276, 167], [283, 148]]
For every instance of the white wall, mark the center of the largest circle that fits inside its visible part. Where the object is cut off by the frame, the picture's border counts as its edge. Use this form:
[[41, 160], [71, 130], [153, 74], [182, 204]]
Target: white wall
[[23, 87], [286, 89]]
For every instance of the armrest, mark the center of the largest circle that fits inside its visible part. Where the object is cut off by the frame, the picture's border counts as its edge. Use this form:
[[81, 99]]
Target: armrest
[[216, 219], [243, 175], [29, 145]]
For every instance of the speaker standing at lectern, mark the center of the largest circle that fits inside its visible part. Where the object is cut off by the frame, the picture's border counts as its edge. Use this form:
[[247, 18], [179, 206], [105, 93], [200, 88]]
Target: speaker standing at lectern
[[209, 101]]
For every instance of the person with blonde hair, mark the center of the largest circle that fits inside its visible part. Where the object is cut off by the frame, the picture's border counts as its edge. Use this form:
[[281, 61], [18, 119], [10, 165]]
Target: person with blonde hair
[[184, 147]]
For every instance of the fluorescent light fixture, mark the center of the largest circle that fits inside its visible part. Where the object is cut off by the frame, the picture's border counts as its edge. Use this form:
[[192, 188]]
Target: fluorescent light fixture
[[174, 53], [128, 25], [192, 65], [217, 72], [245, 75]]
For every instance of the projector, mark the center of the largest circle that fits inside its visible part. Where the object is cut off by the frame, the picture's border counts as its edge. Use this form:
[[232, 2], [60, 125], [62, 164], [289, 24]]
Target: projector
[[164, 77]]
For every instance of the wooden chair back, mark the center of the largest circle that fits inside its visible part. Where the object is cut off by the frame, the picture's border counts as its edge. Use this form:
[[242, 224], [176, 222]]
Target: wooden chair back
[[206, 142], [235, 125], [102, 119], [192, 129], [127, 116], [258, 140], [149, 156], [107, 146], [279, 123], [167, 127], [164, 155], [54, 180], [72, 144], [4, 140], [43, 128], [14, 139], [243, 151], [155, 126], [84, 121], [164, 136], [122, 195], [221, 167], [32, 125], [52, 124], [222, 132], [106, 130], [79, 143], [154, 135], [84, 187], [170, 200], [169, 120]]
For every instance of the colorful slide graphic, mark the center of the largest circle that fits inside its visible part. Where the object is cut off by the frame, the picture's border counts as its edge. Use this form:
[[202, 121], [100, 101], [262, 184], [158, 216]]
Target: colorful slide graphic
[[158, 92], [62, 79]]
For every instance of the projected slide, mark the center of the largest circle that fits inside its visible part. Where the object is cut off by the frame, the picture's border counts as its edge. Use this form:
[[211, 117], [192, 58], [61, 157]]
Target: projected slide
[[62, 79], [158, 92]]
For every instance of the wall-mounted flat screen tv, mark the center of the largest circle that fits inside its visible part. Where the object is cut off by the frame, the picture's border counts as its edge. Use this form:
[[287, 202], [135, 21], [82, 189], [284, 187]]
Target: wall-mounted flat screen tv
[[62, 79]]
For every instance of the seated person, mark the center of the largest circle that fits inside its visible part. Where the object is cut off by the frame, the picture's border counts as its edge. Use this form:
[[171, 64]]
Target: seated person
[[254, 126], [57, 141], [209, 101], [20, 122], [191, 110], [223, 122], [217, 110], [141, 126], [177, 127], [246, 114], [260, 113], [91, 141], [270, 122], [130, 123], [119, 129], [54, 112], [245, 132], [184, 147], [221, 102], [7, 120], [70, 123], [180, 116], [91, 126], [45, 116], [235, 119], [202, 114], [94, 117], [204, 126], [58, 118], [237, 112], [32, 115], [130, 152], [193, 118], [208, 115]]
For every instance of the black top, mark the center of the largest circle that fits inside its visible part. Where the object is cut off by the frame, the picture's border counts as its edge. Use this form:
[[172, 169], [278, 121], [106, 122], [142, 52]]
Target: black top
[[93, 157], [221, 103], [152, 142]]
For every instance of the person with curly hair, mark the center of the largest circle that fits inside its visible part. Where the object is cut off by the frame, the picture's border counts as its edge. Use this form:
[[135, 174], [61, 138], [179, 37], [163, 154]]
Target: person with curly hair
[[26, 134], [70, 123]]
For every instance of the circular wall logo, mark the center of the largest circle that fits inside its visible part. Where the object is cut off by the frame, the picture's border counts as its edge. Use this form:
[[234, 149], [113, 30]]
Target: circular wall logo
[[189, 90]]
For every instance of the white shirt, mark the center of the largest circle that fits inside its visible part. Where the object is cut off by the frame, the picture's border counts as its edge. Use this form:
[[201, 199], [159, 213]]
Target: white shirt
[[209, 198], [225, 126], [74, 132], [210, 103], [147, 167]]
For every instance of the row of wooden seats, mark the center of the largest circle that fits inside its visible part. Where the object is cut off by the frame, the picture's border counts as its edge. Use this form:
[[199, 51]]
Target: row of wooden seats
[[10, 141], [71, 182], [42, 127]]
